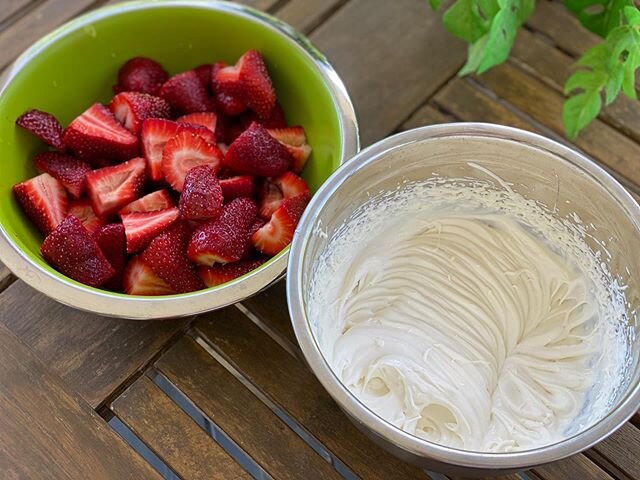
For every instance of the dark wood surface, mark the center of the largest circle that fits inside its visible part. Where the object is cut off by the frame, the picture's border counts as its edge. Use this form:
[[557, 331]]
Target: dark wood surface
[[226, 395]]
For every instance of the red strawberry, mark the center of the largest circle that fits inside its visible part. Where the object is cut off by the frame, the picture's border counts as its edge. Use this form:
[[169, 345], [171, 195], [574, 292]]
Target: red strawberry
[[132, 108], [142, 227], [278, 232], [203, 119], [69, 170], [232, 130], [139, 279], [235, 187], [111, 188], [154, 135], [166, 255], [158, 200], [255, 152], [44, 200], [204, 73], [257, 89], [201, 197], [185, 151], [227, 89], [291, 185], [228, 103], [206, 134], [83, 211], [295, 140], [97, 135], [141, 75], [258, 223], [71, 250], [276, 120], [185, 93], [225, 239], [219, 274], [270, 199], [111, 240], [44, 126]]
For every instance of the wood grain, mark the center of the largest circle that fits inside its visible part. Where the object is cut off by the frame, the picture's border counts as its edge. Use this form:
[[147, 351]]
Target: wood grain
[[578, 467], [305, 15], [172, 435], [93, 354], [294, 388], [244, 418], [427, 115], [6, 277], [48, 433], [621, 450], [9, 7], [391, 55]]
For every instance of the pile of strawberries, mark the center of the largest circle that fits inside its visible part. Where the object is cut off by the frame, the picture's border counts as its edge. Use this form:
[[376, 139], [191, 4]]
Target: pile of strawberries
[[178, 184]]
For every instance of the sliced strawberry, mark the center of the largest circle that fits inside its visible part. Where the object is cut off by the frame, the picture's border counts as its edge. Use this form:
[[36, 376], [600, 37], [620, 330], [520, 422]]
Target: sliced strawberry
[[111, 188], [203, 119], [83, 211], [139, 279], [278, 232], [232, 130], [206, 134], [201, 197], [257, 90], [295, 140], [185, 93], [238, 186], [44, 200], [227, 89], [249, 251], [255, 152], [142, 227], [225, 239], [141, 75], [185, 151], [71, 249], [229, 104], [219, 274], [111, 240], [158, 200], [276, 120], [133, 108], [44, 126], [97, 135], [166, 255], [65, 168], [204, 73], [270, 198], [154, 135], [291, 185]]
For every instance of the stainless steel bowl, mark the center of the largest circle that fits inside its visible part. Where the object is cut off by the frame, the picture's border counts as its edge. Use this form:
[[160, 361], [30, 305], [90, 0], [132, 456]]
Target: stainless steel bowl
[[146, 308], [539, 169]]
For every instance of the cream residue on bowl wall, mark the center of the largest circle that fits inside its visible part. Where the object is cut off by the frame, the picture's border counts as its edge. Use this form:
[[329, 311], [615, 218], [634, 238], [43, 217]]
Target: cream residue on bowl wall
[[471, 316]]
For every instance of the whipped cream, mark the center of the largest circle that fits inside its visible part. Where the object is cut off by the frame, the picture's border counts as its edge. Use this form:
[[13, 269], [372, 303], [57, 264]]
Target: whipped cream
[[466, 315]]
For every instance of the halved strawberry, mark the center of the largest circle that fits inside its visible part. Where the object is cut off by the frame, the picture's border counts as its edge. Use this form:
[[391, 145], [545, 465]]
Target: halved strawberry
[[276, 120], [204, 73], [111, 240], [83, 211], [96, 135], [44, 200], [154, 135], [255, 152], [270, 198], [185, 93], [142, 227], [141, 75], [206, 134], [249, 251], [154, 201], [44, 126], [203, 119], [69, 170], [133, 108], [257, 89], [139, 279], [291, 185], [71, 249], [219, 274], [238, 186], [295, 140], [225, 239], [111, 188], [185, 151], [166, 255], [201, 197], [227, 89], [278, 232]]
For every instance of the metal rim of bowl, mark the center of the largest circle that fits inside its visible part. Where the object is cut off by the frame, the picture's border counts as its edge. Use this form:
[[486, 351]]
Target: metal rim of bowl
[[146, 308], [626, 407]]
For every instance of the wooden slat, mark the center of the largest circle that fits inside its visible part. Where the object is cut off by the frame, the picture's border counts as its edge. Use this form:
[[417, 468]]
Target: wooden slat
[[5, 277], [619, 452], [305, 15], [244, 418], [172, 435], [294, 388], [48, 433], [513, 476], [392, 57], [93, 354], [9, 7], [271, 308], [427, 115], [534, 98], [578, 467]]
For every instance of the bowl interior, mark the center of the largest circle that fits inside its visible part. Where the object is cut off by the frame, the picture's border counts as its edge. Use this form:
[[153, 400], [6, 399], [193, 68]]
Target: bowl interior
[[565, 187], [78, 64]]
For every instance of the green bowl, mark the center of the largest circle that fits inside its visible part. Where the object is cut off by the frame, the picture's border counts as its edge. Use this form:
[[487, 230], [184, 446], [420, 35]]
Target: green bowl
[[76, 65]]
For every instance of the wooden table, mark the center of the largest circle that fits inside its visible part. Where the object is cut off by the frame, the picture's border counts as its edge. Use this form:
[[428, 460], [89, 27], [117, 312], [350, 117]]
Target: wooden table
[[88, 397]]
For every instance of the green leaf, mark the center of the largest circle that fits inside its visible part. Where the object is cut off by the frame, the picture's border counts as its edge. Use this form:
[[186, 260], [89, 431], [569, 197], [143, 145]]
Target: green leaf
[[599, 16], [632, 15], [468, 20], [629, 78], [435, 4], [579, 111], [585, 80], [613, 85]]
